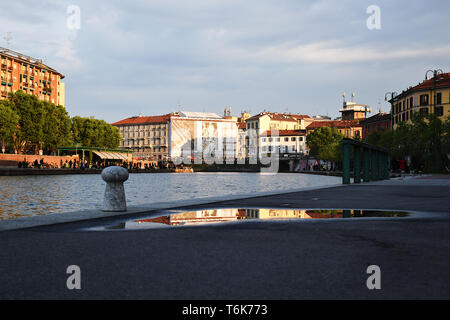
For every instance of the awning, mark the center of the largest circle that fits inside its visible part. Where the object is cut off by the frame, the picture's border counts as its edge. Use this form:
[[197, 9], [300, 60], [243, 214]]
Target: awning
[[111, 155]]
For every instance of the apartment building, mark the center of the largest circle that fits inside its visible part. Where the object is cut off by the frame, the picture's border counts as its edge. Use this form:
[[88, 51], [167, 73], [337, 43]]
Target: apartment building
[[429, 96], [21, 72], [265, 121], [146, 137]]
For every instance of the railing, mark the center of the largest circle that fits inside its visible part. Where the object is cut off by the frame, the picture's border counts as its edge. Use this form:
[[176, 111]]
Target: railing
[[375, 161]]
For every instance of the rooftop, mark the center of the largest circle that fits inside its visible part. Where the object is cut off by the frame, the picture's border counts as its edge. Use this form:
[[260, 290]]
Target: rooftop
[[442, 81], [27, 59], [334, 124], [200, 115], [280, 116], [284, 133], [144, 120], [377, 117]]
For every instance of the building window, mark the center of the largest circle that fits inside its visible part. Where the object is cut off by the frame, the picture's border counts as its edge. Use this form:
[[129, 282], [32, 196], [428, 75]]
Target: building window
[[439, 98], [424, 100], [411, 102], [300, 138], [293, 139], [439, 111], [286, 139], [423, 111]]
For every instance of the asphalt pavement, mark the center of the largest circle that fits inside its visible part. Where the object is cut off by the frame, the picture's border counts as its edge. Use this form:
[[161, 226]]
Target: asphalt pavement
[[314, 259]]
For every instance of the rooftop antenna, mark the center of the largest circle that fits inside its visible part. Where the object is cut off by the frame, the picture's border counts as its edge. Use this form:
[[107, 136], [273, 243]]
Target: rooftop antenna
[[343, 96], [379, 104], [8, 38], [353, 96]]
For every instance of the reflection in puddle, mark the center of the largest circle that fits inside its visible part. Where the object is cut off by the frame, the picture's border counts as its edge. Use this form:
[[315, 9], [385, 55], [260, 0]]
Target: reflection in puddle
[[201, 217]]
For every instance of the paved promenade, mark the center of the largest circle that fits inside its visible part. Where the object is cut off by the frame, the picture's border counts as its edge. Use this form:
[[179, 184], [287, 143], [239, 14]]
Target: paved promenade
[[315, 259]]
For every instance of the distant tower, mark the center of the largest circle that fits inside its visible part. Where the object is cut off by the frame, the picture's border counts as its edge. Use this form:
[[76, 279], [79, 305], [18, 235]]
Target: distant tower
[[352, 110], [227, 112]]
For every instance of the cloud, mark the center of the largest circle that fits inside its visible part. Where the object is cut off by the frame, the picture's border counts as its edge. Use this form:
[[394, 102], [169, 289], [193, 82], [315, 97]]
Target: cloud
[[146, 55], [337, 52]]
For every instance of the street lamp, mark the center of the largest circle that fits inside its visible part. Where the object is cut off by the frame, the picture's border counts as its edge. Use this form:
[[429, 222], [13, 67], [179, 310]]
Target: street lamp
[[435, 74], [392, 94]]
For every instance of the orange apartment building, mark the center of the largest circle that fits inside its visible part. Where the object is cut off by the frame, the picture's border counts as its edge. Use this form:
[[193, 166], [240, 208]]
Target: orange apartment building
[[21, 72]]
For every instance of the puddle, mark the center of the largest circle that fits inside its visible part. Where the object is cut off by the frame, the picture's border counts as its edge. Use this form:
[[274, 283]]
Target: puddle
[[177, 218]]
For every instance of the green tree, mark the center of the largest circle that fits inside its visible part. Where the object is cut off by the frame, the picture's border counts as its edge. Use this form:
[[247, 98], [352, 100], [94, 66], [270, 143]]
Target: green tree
[[9, 120], [90, 132], [56, 127], [325, 143], [30, 112]]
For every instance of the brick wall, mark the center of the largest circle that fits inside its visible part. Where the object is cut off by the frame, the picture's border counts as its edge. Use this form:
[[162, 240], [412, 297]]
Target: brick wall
[[13, 159]]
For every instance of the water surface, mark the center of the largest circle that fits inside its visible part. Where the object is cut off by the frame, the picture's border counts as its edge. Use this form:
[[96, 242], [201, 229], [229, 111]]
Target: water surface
[[35, 195]]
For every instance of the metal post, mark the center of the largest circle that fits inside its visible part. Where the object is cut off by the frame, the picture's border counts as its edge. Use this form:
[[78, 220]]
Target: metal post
[[373, 164], [380, 166], [386, 165], [366, 164], [346, 164], [357, 164]]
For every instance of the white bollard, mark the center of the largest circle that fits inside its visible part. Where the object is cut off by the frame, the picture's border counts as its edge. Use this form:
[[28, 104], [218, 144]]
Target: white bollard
[[114, 199]]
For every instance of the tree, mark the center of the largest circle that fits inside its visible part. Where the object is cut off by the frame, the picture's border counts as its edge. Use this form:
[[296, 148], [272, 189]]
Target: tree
[[30, 112], [425, 141], [325, 143], [90, 132], [42, 125], [9, 120], [56, 127]]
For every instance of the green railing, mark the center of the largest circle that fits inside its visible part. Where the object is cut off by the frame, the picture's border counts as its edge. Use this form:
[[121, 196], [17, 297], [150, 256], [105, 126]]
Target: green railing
[[369, 162]]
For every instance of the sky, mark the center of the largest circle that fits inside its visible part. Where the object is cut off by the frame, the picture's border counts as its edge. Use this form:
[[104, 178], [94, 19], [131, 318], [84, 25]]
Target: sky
[[151, 57]]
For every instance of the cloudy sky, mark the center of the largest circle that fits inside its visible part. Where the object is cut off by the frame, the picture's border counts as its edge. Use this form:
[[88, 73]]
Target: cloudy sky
[[150, 56]]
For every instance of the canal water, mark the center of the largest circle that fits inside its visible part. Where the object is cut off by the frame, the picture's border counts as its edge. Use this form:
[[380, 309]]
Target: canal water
[[36, 195]]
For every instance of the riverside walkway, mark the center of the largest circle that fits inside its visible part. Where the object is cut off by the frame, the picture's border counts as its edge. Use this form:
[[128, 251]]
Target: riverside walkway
[[315, 259]]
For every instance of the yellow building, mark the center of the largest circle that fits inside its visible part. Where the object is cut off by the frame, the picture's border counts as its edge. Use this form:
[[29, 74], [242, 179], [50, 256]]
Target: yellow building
[[430, 96]]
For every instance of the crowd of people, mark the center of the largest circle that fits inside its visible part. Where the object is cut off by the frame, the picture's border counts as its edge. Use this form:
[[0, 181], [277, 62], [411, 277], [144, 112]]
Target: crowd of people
[[82, 165]]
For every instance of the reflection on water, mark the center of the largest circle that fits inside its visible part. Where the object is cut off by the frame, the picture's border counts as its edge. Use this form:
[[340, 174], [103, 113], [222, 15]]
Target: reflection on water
[[200, 217], [35, 195]]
